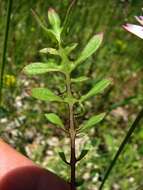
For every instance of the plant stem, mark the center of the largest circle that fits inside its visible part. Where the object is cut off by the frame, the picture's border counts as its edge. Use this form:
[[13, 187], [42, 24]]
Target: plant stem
[[73, 158], [2, 67], [72, 133], [71, 129], [124, 142]]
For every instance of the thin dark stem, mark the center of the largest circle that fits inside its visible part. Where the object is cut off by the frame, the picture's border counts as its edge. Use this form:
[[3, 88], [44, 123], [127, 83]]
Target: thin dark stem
[[2, 67], [124, 142], [71, 128], [72, 133], [73, 157]]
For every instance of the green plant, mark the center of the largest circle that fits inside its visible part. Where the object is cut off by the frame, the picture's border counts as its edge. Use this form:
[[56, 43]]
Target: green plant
[[65, 66]]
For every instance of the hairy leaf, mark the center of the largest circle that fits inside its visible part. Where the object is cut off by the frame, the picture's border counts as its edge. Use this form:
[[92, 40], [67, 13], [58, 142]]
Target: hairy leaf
[[70, 48], [90, 48], [79, 79], [50, 51], [55, 22], [50, 32], [91, 122], [54, 18], [45, 94], [55, 119], [98, 88], [40, 68]]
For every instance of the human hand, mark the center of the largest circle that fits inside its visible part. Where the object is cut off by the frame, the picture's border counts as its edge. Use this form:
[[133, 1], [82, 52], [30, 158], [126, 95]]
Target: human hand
[[19, 173]]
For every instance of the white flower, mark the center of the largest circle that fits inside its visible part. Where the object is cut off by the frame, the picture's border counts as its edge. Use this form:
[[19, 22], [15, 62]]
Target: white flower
[[135, 29], [139, 19]]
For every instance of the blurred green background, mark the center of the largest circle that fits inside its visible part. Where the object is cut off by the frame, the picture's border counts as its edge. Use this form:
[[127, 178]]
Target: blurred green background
[[120, 58]]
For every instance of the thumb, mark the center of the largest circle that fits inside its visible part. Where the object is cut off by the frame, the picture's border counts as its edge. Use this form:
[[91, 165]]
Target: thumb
[[19, 173]]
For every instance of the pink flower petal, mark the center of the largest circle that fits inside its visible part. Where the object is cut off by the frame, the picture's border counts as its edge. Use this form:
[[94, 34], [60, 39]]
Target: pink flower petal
[[134, 29], [139, 19]]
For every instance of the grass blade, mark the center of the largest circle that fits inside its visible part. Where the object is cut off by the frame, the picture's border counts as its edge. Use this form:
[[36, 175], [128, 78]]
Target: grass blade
[[123, 144], [67, 16], [2, 67]]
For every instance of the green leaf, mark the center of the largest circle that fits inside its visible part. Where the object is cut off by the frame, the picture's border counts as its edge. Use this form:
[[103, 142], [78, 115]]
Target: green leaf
[[63, 157], [50, 32], [79, 182], [79, 79], [83, 154], [55, 119], [54, 18], [50, 51], [46, 95], [40, 68], [98, 88], [70, 48], [55, 22], [70, 100], [91, 122], [90, 48]]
